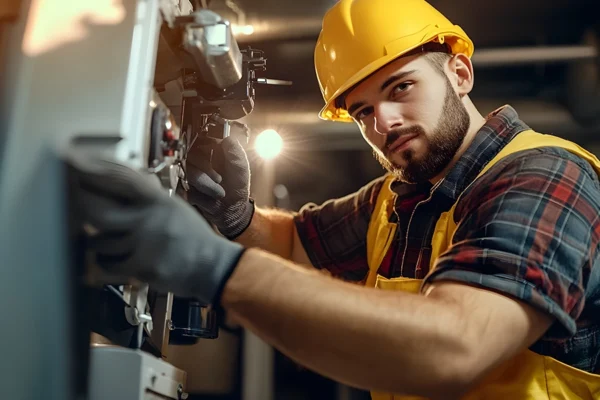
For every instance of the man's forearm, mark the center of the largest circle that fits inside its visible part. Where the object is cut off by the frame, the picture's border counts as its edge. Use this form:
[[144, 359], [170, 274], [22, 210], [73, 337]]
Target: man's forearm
[[271, 230], [377, 340]]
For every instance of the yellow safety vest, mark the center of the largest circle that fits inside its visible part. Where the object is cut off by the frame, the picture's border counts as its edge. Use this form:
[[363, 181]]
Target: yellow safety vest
[[528, 375]]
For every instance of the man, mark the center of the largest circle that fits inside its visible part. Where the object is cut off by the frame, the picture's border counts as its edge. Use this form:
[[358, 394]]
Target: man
[[483, 236]]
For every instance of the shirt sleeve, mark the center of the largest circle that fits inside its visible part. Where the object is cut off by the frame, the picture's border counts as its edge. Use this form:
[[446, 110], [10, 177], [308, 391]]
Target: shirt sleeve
[[334, 234], [529, 228]]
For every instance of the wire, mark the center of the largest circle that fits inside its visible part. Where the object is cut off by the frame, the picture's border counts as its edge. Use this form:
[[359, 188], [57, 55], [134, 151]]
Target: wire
[[241, 15], [116, 292], [139, 335], [192, 142]]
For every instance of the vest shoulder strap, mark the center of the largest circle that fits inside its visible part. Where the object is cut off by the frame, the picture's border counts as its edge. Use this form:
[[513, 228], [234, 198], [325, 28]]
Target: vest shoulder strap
[[530, 139], [525, 140], [380, 229]]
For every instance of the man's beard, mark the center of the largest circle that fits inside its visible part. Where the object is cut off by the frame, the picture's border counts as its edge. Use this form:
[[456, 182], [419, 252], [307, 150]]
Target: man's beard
[[445, 141]]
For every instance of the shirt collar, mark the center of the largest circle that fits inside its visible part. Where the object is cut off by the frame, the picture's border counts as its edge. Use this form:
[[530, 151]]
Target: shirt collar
[[501, 127]]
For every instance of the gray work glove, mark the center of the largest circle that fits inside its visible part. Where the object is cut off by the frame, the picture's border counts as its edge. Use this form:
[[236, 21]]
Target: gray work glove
[[145, 234], [221, 190]]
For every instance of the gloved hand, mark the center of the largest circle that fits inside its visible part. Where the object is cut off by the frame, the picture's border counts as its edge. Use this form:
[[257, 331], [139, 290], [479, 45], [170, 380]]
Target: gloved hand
[[145, 234], [222, 190]]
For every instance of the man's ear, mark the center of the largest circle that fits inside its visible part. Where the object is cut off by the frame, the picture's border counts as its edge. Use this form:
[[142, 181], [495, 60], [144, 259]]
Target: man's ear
[[461, 72]]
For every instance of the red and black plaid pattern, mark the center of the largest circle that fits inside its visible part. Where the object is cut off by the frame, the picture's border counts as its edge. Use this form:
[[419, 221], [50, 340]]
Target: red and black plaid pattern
[[528, 228]]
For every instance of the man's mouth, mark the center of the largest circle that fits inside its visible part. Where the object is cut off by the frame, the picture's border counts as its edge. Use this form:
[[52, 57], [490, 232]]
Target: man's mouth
[[400, 143]]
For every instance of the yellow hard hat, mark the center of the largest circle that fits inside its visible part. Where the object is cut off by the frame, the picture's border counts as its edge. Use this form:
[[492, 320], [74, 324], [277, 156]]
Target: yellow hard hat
[[359, 37]]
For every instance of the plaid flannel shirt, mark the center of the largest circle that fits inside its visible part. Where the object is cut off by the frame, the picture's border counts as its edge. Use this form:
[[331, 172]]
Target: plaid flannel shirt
[[529, 228]]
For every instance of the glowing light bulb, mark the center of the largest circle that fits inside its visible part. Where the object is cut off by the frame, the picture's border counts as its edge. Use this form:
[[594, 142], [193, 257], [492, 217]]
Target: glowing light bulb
[[268, 144]]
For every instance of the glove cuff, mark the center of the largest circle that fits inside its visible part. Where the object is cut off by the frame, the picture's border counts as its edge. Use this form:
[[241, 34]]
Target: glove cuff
[[216, 260], [243, 222], [216, 300]]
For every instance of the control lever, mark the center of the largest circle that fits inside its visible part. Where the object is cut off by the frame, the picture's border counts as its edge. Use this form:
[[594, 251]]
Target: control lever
[[279, 82], [215, 120]]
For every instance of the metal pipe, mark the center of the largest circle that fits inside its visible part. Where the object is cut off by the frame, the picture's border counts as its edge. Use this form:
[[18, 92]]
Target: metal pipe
[[533, 55], [483, 57], [258, 369]]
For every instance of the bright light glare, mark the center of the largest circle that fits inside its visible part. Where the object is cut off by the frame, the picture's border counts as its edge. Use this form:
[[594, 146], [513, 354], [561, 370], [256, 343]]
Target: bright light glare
[[242, 29], [268, 144]]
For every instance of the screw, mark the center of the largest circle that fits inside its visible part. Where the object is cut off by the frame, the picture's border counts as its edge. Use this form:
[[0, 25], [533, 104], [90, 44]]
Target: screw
[[182, 395]]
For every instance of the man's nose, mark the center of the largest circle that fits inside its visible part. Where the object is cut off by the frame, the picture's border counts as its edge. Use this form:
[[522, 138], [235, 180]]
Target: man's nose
[[387, 117]]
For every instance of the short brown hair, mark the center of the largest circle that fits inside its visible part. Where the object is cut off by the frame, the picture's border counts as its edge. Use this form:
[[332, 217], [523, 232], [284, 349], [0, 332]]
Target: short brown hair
[[437, 60]]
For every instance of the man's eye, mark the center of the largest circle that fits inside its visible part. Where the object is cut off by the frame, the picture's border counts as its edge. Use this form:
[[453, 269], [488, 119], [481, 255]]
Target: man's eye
[[402, 87], [363, 113]]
